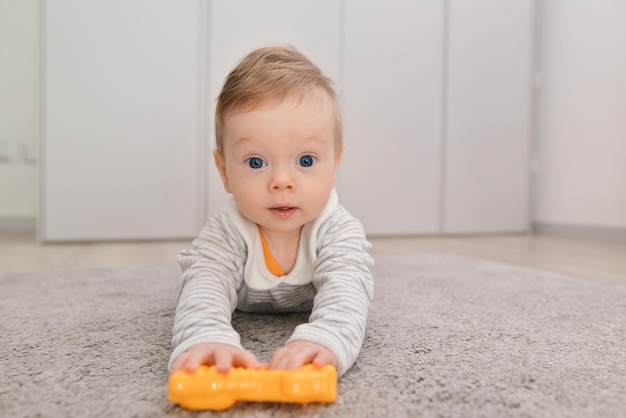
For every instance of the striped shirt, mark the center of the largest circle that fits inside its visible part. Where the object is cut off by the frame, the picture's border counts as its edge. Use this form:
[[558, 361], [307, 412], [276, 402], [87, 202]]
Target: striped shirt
[[225, 270]]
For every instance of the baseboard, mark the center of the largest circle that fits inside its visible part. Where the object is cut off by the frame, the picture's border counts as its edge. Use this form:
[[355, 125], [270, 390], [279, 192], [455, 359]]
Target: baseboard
[[581, 231], [18, 225]]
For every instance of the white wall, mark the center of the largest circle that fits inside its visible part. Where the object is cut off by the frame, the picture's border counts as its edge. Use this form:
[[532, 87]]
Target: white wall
[[18, 108], [580, 129], [581, 114]]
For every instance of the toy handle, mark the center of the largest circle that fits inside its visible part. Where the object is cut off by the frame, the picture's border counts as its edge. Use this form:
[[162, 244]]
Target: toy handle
[[206, 388]]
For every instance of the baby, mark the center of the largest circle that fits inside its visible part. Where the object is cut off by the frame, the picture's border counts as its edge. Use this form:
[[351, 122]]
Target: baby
[[283, 243]]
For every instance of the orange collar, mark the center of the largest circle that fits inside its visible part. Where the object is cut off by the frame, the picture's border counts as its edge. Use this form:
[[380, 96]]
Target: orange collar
[[270, 261]]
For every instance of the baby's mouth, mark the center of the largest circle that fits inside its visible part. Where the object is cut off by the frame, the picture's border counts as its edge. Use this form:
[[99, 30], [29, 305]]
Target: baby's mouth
[[283, 211]]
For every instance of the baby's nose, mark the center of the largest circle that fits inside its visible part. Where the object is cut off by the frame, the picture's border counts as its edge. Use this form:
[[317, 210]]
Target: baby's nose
[[282, 180]]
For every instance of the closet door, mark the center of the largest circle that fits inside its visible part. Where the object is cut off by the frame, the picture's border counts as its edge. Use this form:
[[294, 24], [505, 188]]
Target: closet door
[[392, 90], [487, 116], [121, 119], [239, 26]]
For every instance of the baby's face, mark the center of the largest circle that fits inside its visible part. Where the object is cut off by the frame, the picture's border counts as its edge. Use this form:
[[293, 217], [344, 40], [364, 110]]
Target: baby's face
[[279, 161]]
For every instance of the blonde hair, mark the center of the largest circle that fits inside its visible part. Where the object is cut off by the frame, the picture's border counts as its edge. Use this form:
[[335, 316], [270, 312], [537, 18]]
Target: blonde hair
[[270, 74]]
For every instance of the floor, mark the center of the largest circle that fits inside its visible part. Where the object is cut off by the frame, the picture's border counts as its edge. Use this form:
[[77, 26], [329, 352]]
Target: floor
[[603, 261]]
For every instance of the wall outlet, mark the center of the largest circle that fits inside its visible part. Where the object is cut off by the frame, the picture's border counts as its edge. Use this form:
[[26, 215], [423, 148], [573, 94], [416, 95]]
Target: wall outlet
[[12, 152]]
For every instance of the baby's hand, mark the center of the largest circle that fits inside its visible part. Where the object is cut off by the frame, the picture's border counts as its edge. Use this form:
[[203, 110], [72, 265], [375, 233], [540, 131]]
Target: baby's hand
[[223, 356], [298, 353]]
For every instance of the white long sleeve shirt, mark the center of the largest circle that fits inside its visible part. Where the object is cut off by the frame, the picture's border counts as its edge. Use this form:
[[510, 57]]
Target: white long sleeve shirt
[[226, 270]]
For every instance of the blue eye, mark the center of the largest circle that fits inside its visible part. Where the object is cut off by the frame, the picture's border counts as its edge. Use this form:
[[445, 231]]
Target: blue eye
[[306, 161], [256, 163]]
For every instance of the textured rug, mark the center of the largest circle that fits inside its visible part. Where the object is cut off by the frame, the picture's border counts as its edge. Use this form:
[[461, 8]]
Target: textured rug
[[447, 336]]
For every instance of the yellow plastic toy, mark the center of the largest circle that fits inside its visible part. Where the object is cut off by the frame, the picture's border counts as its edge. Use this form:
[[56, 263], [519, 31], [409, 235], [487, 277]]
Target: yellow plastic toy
[[206, 388]]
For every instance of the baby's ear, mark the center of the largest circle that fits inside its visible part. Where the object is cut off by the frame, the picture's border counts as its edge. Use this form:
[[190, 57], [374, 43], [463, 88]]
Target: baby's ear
[[338, 155], [220, 163]]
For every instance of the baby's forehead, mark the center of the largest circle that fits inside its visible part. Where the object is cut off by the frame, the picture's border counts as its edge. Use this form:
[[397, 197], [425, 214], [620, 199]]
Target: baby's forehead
[[315, 109], [290, 99]]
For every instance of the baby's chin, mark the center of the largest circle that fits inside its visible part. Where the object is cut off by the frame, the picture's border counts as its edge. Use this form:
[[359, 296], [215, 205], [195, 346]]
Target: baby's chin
[[282, 226], [281, 229]]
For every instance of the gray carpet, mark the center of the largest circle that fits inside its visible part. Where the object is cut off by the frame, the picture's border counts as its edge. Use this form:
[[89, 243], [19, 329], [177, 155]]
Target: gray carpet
[[447, 337]]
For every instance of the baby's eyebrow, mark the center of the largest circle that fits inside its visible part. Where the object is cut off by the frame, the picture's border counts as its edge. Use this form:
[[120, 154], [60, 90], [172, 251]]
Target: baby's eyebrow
[[243, 139], [315, 139]]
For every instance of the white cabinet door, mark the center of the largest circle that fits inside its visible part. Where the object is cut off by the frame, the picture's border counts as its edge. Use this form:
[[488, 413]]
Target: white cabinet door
[[393, 69], [239, 26], [121, 119], [487, 116]]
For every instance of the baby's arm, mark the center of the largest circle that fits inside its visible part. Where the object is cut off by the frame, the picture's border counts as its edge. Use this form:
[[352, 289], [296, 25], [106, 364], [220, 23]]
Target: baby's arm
[[207, 293], [345, 289]]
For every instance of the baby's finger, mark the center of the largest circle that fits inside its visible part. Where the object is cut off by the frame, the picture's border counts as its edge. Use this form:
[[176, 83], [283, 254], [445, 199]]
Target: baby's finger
[[178, 363], [277, 358], [223, 360], [323, 358], [298, 358], [246, 358], [293, 358], [196, 358]]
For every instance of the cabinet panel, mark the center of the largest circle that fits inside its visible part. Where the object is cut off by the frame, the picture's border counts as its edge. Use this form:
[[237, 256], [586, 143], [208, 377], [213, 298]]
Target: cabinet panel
[[488, 116], [120, 117], [393, 69], [239, 26]]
